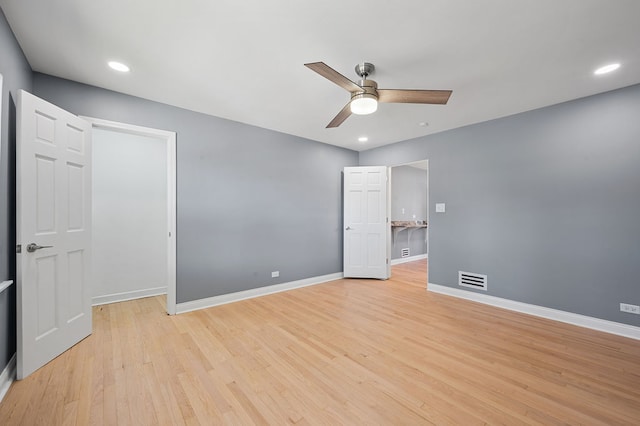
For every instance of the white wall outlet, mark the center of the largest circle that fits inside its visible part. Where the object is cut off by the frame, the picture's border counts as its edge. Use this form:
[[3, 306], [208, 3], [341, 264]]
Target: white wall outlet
[[275, 274], [440, 208], [631, 309]]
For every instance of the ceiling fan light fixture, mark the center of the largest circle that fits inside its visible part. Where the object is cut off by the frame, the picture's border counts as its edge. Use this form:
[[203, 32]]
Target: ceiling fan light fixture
[[364, 103]]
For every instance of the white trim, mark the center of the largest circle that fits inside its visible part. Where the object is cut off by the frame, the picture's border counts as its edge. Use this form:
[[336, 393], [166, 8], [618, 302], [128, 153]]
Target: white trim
[[5, 285], [1, 96], [170, 138], [7, 377], [255, 292], [612, 327], [409, 259], [128, 295]]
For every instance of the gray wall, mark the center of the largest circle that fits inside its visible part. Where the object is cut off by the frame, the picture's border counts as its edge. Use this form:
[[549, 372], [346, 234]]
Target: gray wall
[[546, 203], [16, 75], [250, 201], [409, 192]]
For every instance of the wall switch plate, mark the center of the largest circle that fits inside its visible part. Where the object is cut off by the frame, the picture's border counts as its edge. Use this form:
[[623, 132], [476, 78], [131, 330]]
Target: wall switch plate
[[275, 274], [631, 309], [440, 208]]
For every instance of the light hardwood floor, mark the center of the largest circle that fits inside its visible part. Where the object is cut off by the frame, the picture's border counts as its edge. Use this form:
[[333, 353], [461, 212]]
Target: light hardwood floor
[[345, 352]]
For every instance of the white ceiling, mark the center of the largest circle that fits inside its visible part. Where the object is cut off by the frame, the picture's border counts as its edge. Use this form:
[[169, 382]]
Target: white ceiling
[[243, 60]]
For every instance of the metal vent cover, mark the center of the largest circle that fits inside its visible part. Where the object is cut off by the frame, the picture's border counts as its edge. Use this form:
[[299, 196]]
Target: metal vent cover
[[405, 252], [472, 280]]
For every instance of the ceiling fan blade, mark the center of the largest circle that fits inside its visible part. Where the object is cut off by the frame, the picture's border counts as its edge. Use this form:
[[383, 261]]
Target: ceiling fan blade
[[440, 97], [342, 115], [330, 74]]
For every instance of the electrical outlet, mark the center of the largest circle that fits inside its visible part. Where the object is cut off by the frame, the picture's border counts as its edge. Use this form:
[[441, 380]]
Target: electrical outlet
[[275, 274], [631, 309]]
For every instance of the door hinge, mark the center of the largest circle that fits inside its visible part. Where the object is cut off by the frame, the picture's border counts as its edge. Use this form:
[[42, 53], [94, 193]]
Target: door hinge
[[387, 261], [19, 248]]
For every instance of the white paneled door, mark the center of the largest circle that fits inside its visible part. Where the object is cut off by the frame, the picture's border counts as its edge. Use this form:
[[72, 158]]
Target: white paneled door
[[53, 231], [366, 222]]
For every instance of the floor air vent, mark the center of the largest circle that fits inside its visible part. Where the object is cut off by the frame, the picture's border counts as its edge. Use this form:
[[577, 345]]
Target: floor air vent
[[404, 252], [468, 279]]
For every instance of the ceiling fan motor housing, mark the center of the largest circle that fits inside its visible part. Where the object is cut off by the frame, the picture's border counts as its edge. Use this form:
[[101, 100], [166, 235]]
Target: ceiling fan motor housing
[[370, 88]]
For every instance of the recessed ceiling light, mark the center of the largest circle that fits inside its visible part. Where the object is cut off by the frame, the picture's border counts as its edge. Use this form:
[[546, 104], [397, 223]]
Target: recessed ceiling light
[[606, 69], [423, 124], [363, 139], [118, 66]]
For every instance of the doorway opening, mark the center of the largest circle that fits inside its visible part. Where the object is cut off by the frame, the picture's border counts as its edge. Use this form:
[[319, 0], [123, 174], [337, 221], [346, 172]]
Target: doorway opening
[[410, 213], [134, 212]]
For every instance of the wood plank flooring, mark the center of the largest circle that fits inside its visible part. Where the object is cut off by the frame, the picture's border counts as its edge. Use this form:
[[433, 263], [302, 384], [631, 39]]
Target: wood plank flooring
[[344, 352]]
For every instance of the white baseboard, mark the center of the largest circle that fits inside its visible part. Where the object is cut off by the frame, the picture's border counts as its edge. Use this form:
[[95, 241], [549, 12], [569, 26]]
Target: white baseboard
[[256, 292], [612, 327], [9, 373], [7, 377], [409, 259], [129, 295]]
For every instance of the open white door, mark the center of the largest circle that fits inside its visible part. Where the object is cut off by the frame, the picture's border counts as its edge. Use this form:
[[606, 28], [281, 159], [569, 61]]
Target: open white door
[[366, 221], [53, 159]]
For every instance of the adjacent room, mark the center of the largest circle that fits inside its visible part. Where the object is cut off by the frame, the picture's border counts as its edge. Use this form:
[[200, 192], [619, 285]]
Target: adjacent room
[[414, 212]]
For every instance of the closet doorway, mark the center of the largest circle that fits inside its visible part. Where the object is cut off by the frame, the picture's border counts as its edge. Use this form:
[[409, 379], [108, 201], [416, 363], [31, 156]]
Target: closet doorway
[[134, 205]]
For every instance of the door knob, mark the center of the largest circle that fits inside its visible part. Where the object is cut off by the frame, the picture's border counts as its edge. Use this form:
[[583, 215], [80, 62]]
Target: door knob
[[33, 247], [348, 228]]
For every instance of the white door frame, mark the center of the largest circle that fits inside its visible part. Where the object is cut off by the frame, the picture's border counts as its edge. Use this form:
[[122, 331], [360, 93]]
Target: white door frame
[[170, 140], [1, 114]]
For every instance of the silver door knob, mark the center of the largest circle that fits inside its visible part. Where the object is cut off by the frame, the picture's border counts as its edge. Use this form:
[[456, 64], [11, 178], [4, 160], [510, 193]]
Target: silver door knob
[[348, 228], [33, 247]]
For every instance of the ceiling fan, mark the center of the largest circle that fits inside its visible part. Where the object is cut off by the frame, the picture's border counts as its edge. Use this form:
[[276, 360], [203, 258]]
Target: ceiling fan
[[365, 94]]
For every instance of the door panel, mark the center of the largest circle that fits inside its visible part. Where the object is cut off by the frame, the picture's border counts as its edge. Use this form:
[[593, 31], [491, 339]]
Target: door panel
[[367, 228], [75, 199], [47, 284], [53, 157], [76, 280], [45, 195]]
